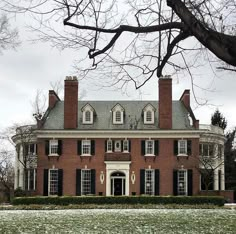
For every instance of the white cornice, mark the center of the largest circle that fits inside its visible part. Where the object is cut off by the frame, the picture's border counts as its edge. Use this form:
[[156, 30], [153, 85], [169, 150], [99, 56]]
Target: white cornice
[[119, 133]]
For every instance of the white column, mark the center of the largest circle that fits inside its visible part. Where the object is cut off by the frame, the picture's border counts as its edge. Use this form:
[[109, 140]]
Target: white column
[[216, 180], [222, 179]]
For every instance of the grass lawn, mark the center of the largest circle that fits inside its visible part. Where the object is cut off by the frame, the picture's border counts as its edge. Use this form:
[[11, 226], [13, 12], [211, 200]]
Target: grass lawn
[[119, 221]]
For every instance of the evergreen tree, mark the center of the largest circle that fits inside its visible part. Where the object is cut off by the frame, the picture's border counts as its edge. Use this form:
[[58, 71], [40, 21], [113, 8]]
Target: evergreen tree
[[217, 119]]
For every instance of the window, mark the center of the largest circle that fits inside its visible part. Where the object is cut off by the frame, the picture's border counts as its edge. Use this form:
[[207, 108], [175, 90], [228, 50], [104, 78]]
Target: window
[[87, 116], [109, 146], [206, 149], [220, 151], [85, 181], [182, 147], [125, 146], [88, 113], [86, 147], [117, 114], [182, 182], [117, 146], [149, 114], [30, 182], [149, 182], [53, 182], [32, 148], [53, 149], [207, 179], [149, 147]]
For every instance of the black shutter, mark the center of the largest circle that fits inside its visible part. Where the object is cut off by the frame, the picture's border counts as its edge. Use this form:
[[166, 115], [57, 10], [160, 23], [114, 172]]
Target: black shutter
[[60, 182], [189, 147], [190, 182], [113, 146], [142, 181], [92, 147], [47, 147], [105, 146], [36, 148], [156, 147], [59, 149], [142, 147], [219, 179], [45, 182], [157, 182], [175, 181], [78, 182], [93, 181], [121, 146], [130, 146], [175, 147], [79, 147]]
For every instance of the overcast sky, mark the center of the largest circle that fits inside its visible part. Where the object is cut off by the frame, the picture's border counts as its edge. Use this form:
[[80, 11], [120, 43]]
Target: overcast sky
[[33, 66]]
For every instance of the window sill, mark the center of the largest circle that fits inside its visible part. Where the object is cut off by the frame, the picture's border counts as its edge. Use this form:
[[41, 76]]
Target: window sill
[[86, 155], [53, 155], [182, 155], [149, 155]]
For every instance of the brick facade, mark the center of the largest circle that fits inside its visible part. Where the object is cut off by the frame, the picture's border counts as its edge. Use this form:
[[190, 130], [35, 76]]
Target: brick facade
[[120, 148]]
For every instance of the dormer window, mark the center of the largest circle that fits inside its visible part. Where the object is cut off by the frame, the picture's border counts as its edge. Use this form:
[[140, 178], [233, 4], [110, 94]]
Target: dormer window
[[88, 113], [118, 114], [149, 111]]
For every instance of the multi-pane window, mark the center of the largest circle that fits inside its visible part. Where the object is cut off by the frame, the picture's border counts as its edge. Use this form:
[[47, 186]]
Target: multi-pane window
[[182, 147], [149, 182], [87, 116], [182, 182], [30, 179], [53, 182], [149, 116], [118, 116], [53, 149], [86, 147], [220, 151], [126, 146], [206, 149], [109, 146], [85, 181], [149, 147], [32, 149]]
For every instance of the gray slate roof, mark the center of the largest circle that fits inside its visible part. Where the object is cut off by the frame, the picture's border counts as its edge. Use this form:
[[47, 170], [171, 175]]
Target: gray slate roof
[[133, 118]]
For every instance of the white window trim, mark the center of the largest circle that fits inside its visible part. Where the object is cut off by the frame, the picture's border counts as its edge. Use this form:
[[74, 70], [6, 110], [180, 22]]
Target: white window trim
[[186, 181], [109, 142], [186, 150], [153, 181], [119, 108], [82, 143], [49, 181], [118, 150], [34, 153], [82, 189], [84, 116], [126, 142], [153, 148], [50, 143], [145, 117]]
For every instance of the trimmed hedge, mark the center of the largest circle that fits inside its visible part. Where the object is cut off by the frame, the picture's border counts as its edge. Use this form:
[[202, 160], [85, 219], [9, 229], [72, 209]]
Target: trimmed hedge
[[157, 200]]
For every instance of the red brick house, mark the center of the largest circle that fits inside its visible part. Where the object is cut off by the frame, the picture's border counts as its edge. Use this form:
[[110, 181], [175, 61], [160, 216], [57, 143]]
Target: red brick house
[[120, 147]]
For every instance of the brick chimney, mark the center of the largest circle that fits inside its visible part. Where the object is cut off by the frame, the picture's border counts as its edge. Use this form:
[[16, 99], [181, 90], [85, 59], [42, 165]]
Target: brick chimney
[[165, 102], [71, 102], [52, 99]]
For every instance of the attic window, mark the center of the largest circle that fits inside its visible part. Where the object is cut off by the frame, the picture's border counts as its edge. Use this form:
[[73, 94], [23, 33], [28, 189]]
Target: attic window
[[149, 114], [88, 113], [118, 114]]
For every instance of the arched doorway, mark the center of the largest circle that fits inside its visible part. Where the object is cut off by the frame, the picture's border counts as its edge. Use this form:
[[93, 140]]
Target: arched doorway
[[117, 183]]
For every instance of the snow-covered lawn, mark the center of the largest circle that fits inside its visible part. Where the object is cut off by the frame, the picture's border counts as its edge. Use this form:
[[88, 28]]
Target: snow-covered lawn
[[119, 221]]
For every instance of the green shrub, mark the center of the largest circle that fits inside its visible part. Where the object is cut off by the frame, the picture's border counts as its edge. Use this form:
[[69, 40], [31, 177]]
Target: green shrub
[[19, 192], [129, 200]]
